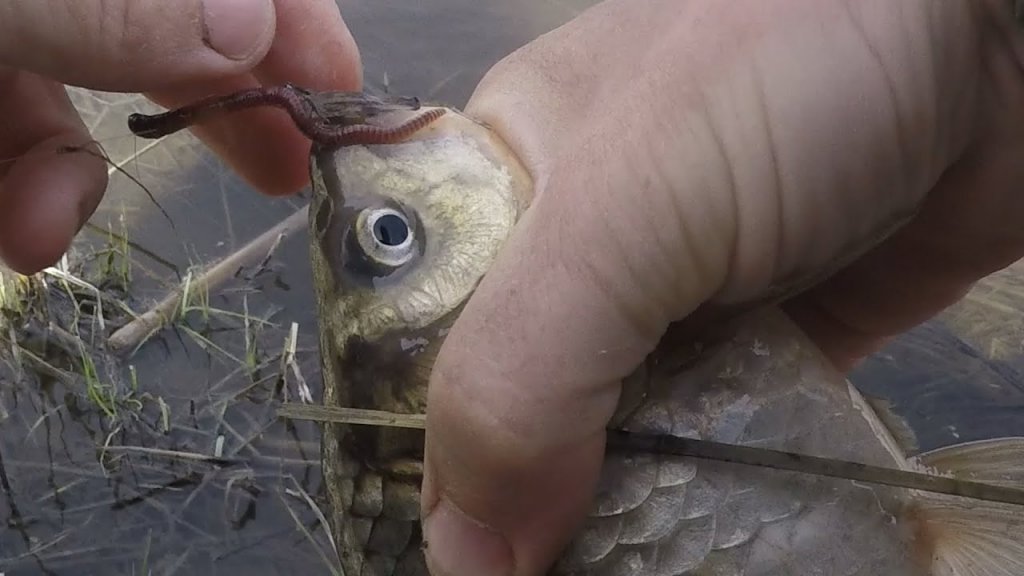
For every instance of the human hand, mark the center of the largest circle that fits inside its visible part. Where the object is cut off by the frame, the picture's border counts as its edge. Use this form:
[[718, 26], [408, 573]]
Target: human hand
[[705, 152], [176, 52]]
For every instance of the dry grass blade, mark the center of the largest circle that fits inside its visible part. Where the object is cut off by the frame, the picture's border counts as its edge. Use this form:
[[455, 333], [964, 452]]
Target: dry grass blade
[[62, 274], [351, 416], [133, 333], [176, 454], [288, 363], [665, 444]]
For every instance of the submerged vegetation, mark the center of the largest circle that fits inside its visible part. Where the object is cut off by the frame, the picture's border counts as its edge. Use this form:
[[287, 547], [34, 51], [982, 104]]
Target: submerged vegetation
[[57, 323], [165, 456], [54, 331]]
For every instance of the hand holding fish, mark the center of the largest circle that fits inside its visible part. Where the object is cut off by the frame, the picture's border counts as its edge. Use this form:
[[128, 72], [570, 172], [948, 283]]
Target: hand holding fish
[[700, 155], [176, 52]]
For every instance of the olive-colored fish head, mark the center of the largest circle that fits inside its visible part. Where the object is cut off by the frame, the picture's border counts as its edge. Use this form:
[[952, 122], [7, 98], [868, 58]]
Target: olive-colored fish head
[[401, 234]]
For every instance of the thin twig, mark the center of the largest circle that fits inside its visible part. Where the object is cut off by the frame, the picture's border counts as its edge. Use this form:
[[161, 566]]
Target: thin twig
[[115, 167], [176, 454], [135, 332], [793, 462]]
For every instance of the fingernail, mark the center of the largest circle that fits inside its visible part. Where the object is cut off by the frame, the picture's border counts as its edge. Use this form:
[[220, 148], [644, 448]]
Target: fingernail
[[237, 28], [457, 545]]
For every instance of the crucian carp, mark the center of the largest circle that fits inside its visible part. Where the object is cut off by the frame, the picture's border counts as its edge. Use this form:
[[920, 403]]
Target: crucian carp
[[411, 204]]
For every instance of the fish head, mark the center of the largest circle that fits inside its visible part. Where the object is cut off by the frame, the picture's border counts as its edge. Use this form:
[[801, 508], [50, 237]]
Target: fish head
[[400, 234]]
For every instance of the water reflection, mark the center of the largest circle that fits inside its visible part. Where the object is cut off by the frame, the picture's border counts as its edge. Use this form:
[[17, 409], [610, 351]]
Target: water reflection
[[441, 48]]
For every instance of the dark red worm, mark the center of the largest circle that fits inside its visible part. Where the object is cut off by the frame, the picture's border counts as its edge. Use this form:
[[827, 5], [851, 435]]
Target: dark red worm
[[329, 119], [297, 104], [366, 134]]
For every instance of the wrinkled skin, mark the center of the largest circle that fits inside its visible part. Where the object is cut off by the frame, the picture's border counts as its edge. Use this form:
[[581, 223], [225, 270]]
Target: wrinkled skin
[[748, 145], [384, 312]]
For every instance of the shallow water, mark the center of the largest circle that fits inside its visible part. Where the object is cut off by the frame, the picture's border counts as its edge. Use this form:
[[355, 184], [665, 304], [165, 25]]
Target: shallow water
[[68, 511], [959, 377]]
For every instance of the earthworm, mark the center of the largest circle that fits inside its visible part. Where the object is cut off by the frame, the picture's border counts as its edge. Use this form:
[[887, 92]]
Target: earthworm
[[367, 134], [329, 118]]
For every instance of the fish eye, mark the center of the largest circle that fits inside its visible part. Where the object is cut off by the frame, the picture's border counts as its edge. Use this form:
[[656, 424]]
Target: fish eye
[[385, 236], [390, 229]]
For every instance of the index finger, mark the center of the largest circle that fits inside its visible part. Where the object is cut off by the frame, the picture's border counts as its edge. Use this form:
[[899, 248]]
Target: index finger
[[44, 196], [312, 48]]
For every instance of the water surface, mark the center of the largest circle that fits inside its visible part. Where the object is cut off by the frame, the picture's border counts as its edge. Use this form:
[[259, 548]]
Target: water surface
[[72, 509]]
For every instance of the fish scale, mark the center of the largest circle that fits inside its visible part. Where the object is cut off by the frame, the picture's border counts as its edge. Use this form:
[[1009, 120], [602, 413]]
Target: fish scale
[[754, 381], [724, 508]]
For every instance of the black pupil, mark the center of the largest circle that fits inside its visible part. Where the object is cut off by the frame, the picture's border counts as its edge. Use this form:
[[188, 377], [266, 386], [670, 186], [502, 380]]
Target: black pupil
[[390, 230]]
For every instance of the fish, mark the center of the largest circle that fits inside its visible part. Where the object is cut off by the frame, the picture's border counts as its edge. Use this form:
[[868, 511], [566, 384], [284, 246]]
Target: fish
[[401, 233]]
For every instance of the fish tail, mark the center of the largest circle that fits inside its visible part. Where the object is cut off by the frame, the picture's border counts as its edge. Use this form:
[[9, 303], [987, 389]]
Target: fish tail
[[965, 537]]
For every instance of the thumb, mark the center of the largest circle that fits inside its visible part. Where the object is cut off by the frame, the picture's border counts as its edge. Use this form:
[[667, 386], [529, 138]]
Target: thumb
[[528, 378], [519, 400], [530, 375], [152, 43]]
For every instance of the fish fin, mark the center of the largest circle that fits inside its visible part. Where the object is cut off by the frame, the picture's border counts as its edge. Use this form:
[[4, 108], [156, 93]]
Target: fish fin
[[998, 461], [901, 432], [965, 537]]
